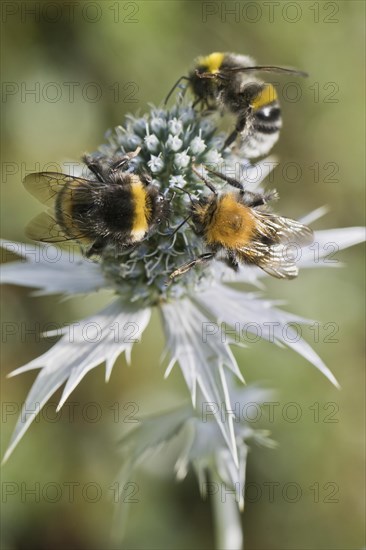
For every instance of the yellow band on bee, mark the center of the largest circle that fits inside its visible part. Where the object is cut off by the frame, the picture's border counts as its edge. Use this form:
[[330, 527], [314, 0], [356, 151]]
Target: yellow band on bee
[[140, 210], [212, 62], [266, 96]]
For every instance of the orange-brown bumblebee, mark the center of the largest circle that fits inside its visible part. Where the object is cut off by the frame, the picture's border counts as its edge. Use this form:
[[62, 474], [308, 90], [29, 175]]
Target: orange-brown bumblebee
[[117, 207], [222, 81], [240, 224]]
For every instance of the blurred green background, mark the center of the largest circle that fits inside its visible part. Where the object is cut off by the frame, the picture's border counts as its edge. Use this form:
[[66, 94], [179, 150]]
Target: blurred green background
[[90, 63]]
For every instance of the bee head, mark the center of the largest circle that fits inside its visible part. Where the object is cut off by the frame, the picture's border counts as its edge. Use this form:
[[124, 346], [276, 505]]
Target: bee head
[[210, 63], [158, 204]]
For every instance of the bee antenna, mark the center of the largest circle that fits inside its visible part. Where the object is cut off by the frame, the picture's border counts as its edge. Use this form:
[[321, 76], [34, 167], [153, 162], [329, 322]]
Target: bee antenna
[[184, 191], [174, 87], [94, 166], [180, 225]]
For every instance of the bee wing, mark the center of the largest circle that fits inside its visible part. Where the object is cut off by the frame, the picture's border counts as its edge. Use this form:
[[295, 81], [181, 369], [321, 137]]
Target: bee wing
[[273, 259], [277, 252], [44, 228], [45, 186], [283, 230], [265, 69], [279, 261]]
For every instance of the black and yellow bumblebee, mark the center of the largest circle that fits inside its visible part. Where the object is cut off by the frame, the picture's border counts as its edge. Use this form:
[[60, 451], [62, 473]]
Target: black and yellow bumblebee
[[116, 208], [240, 224], [223, 81]]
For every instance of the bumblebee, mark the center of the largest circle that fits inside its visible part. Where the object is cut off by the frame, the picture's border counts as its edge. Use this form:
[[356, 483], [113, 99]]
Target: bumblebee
[[222, 81], [240, 224], [117, 207]]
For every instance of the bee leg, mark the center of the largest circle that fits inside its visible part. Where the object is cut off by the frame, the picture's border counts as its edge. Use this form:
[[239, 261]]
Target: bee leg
[[230, 181], [205, 181], [240, 125], [229, 140], [91, 252], [257, 199], [174, 87], [186, 267], [251, 199], [208, 111], [95, 167], [145, 177], [180, 225], [183, 191], [123, 161], [96, 248], [232, 261]]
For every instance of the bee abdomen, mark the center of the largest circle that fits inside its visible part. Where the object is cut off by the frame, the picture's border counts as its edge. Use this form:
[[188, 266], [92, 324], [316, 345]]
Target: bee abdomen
[[263, 132], [268, 120]]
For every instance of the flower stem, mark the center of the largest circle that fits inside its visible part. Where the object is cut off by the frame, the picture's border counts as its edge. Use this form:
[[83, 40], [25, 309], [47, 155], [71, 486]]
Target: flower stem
[[226, 517]]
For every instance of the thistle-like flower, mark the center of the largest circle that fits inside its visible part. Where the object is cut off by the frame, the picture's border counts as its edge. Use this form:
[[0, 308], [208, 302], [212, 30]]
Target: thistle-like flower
[[192, 306]]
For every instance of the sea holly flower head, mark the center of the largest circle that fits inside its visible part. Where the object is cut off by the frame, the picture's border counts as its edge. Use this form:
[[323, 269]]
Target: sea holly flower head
[[172, 141]]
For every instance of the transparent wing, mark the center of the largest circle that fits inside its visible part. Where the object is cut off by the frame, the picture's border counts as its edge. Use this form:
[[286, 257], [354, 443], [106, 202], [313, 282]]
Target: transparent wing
[[265, 69], [44, 228], [283, 230], [277, 247], [45, 186], [273, 259]]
